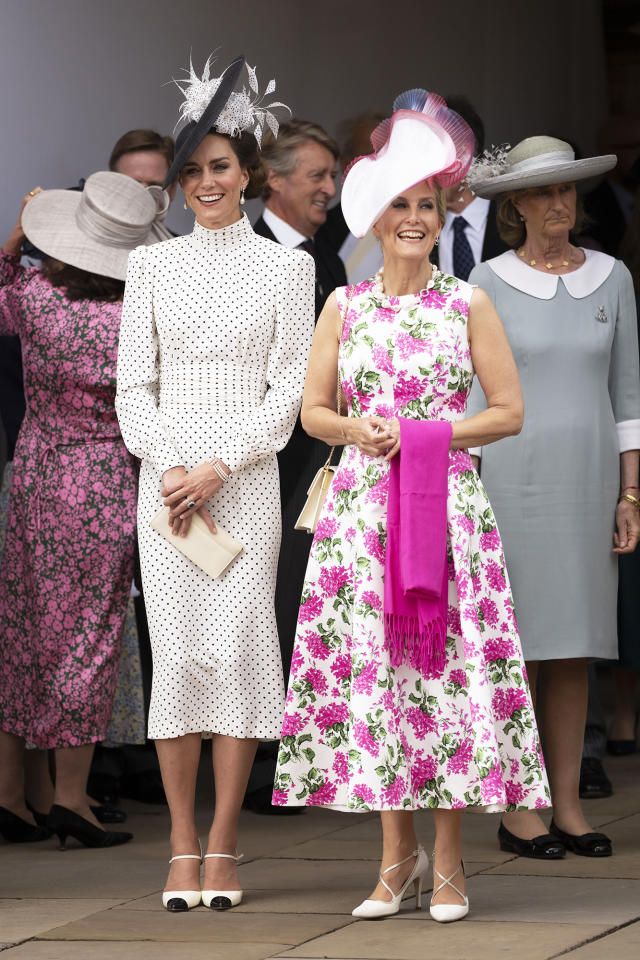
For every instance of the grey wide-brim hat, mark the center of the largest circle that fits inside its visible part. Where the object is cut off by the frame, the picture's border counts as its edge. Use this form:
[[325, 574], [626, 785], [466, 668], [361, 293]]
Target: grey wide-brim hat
[[535, 162], [97, 229]]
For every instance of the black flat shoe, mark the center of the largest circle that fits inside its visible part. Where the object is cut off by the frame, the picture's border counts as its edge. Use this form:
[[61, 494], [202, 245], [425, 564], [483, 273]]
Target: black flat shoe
[[594, 783], [16, 830], [585, 844], [621, 748], [67, 823], [106, 813], [544, 847]]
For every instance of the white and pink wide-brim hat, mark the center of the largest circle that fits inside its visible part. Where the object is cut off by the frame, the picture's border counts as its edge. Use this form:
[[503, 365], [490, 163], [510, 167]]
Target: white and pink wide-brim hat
[[422, 140]]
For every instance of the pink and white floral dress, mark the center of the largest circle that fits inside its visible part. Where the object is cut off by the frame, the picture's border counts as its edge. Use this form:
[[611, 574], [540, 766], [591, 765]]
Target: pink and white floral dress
[[359, 734]]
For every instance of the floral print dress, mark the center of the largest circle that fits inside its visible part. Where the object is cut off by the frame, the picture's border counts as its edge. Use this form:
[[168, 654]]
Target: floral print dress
[[359, 734], [67, 561]]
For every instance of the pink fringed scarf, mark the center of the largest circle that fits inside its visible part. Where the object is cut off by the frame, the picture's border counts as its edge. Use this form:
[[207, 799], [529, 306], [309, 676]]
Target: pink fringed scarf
[[415, 584]]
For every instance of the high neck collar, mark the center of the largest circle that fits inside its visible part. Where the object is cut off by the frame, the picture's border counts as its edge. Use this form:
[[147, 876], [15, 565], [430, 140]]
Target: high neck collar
[[237, 232], [406, 298]]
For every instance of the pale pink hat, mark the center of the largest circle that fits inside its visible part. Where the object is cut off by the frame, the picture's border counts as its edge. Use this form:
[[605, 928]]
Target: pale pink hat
[[422, 140]]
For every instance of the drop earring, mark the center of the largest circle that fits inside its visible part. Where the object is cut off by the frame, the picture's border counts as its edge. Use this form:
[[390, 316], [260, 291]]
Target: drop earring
[[242, 197], [436, 241], [185, 205]]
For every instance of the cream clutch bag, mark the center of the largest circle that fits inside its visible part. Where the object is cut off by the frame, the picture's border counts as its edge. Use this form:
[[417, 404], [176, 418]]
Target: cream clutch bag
[[308, 519], [212, 552]]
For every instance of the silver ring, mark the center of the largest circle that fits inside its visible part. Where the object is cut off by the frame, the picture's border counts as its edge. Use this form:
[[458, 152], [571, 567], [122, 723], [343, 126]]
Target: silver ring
[[191, 504]]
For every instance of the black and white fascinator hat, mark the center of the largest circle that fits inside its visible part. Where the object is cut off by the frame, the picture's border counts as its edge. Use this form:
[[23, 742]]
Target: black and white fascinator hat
[[213, 103]]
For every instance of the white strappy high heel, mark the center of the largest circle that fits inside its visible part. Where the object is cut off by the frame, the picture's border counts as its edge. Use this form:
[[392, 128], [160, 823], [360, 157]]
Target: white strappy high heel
[[375, 909], [177, 901], [222, 899], [448, 912]]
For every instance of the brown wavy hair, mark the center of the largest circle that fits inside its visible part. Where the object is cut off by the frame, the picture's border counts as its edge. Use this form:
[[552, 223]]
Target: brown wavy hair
[[81, 284], [512, 228]]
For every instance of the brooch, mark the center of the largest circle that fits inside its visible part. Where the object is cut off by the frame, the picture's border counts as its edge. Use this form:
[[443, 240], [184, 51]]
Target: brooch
[[601, 315]]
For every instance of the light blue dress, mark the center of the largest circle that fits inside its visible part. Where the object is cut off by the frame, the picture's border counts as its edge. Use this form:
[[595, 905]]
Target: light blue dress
[[554, 487]]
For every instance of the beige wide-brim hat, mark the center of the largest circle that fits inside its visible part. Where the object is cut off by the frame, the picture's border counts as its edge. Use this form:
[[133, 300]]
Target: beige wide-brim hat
[[537, 162], [96, 229]]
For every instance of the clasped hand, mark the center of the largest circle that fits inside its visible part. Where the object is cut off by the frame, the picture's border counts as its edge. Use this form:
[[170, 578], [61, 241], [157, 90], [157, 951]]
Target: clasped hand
[[627, 531], [181, 488], [375, 436]]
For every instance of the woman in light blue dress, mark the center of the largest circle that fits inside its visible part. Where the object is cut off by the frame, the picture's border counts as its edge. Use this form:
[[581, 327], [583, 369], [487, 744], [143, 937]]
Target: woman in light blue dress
[[565, 490]]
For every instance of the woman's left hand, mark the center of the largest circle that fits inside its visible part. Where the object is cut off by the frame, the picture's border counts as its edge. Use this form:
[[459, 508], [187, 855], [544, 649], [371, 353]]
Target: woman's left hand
[[627, 531], [197, 486], [394, 430]]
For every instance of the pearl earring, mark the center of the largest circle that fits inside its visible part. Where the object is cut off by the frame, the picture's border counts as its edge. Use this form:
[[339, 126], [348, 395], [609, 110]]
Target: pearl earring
[[242, 197], [185, 205]]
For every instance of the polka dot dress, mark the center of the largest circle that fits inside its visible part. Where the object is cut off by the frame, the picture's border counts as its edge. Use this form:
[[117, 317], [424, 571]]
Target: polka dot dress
[[215, 335]]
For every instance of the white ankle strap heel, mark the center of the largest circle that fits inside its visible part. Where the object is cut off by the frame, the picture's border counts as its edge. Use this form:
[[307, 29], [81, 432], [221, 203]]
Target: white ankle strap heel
[[448, 912], [177, 901], [375, 909], [222, 899]]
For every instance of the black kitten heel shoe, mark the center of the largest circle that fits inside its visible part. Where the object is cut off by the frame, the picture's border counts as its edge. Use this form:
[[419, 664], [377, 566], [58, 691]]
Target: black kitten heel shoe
[[545, 847], [67, 823], [584, 844], [16, 830]]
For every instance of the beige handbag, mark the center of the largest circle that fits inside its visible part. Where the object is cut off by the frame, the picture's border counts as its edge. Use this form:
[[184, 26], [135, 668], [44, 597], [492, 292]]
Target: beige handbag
[[317, 492], [212, 552]]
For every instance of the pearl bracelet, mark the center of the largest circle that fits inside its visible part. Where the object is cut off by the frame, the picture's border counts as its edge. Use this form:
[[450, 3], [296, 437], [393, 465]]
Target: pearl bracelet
[[215, 463]]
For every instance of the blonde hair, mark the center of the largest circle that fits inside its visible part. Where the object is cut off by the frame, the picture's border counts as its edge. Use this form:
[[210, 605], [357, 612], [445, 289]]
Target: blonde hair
[[441, 202]]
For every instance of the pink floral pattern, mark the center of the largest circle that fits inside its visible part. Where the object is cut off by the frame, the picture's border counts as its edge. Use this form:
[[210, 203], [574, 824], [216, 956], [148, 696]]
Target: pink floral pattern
[[375, 737], [68, 557]]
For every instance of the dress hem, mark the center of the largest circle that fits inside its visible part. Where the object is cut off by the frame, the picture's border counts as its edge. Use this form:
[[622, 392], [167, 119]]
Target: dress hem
[[208, 734], [476, 807]]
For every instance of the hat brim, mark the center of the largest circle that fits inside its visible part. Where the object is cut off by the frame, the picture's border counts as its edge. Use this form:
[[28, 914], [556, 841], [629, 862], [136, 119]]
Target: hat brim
[[49, 221], [196, 131], [567, 172]]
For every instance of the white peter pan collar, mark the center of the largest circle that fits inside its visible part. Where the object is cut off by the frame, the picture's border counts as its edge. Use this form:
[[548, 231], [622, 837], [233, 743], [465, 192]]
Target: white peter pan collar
[[580, 283]]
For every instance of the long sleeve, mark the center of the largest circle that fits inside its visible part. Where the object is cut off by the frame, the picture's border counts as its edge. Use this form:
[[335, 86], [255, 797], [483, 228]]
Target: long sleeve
[[143, 429], [270, 425], [12, 279], [624, 375], [480, 276]]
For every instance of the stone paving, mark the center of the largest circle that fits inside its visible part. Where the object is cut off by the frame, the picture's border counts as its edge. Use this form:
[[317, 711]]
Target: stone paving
[[302, 877]]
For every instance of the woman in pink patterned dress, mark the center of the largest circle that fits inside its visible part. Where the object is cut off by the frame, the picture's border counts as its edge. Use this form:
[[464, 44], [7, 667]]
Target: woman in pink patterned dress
[[358, 732], [67, 563]]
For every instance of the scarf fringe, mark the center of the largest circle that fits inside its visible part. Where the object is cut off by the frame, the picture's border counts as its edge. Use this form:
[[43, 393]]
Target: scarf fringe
[[414, 643]]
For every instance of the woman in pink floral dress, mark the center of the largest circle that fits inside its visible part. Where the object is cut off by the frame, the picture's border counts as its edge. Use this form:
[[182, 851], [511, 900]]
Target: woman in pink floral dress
[[67, 562], [360, 734]]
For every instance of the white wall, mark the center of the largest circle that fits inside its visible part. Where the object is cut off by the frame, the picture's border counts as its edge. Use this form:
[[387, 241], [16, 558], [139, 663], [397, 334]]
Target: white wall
[[75, 74]]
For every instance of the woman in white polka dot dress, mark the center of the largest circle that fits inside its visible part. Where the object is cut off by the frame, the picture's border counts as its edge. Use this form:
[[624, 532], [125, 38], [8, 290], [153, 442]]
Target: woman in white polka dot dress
[[215, 334]]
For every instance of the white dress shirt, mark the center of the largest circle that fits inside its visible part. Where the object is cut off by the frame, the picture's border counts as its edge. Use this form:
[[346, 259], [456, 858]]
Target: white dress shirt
[[476, 215], [284, 233]]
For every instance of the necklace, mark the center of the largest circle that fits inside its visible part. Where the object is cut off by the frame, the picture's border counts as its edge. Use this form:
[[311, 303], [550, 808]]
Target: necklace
[[549, 266]]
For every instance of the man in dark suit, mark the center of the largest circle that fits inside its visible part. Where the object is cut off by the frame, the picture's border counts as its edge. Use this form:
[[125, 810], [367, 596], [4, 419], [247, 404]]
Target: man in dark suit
[[610, 205], [470, 234], [301, 172]]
